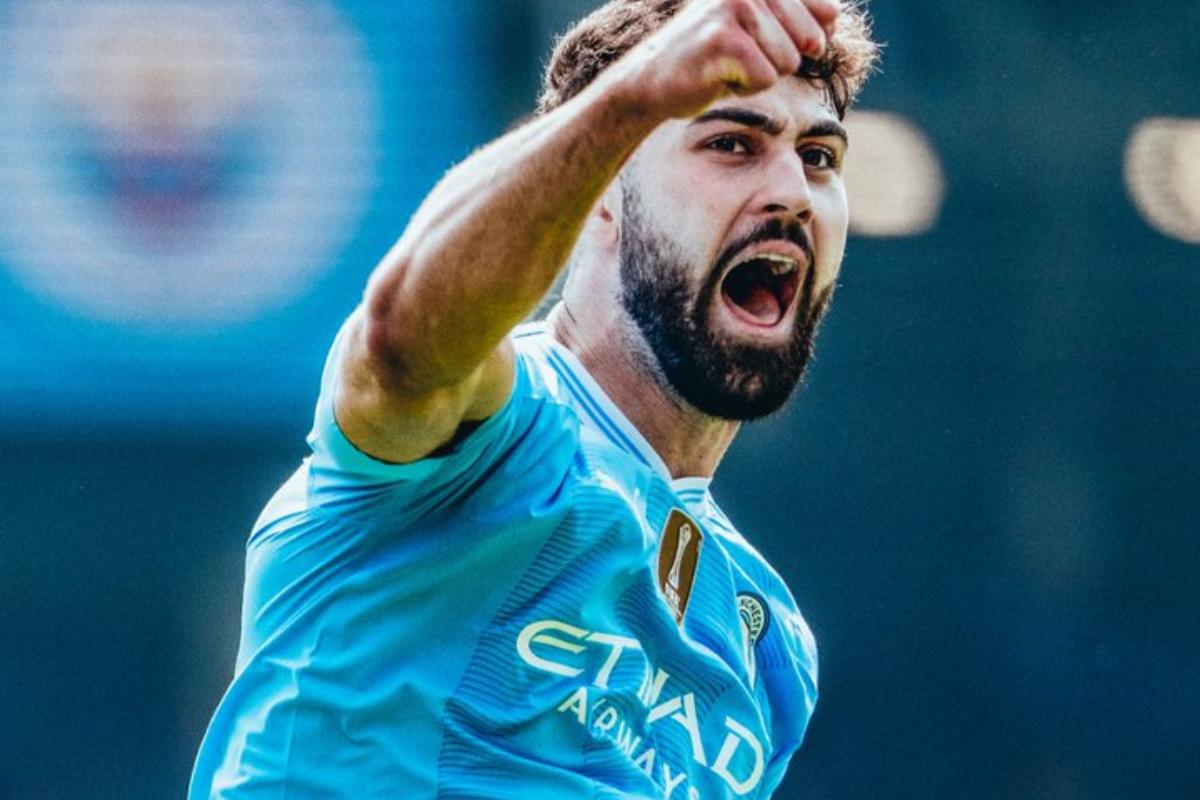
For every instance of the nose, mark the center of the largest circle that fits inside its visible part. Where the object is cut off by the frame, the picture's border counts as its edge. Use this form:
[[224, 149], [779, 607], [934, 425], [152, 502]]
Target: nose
[[787, 191]]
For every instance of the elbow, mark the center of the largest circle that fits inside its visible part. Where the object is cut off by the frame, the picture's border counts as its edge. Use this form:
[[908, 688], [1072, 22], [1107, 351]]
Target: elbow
[[383, 317], [395, 338]]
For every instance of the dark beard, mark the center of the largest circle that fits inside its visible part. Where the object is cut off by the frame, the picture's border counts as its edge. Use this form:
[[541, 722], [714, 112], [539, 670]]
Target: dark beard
[[725, 379]]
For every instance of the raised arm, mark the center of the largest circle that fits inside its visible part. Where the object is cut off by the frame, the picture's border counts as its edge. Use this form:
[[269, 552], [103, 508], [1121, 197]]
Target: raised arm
[[428, 349]]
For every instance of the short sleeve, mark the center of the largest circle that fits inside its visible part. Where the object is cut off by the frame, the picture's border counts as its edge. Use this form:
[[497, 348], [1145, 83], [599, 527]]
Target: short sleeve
[[345, 479]]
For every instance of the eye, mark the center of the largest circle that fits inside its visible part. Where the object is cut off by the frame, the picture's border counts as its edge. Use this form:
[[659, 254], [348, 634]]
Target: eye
[[819, 157], [733, 145]]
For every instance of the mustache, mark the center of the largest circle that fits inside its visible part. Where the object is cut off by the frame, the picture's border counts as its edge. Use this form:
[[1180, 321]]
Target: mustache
[[773, 230]]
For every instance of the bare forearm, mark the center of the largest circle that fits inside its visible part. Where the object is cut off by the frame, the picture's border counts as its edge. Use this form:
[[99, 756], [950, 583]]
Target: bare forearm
[[489, 241], [428, 349]]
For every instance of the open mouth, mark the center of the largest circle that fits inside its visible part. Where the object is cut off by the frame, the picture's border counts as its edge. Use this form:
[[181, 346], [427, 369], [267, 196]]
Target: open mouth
[[760, 289]]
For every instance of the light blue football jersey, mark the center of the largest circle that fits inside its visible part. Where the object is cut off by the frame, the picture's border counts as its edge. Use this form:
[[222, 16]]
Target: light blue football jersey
[[539, 613]]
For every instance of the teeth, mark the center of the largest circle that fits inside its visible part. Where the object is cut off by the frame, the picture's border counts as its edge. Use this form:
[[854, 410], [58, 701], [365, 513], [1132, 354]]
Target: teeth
[[780, 265]]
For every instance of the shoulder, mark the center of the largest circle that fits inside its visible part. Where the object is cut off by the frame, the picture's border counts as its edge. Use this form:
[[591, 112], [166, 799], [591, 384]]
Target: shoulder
[[763, 580], [538, 354], [534, 433]]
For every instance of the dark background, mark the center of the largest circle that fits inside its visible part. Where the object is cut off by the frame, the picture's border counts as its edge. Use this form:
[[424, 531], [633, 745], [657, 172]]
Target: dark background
[[985, 499]]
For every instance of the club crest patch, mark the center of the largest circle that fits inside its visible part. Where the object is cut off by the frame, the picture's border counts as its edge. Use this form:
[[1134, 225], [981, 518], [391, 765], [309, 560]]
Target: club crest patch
[[754, 618], [678, 556]]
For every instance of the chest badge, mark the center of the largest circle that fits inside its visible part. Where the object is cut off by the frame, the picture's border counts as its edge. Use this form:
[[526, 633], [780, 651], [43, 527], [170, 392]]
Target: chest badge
[[678, 556], [754, 618]]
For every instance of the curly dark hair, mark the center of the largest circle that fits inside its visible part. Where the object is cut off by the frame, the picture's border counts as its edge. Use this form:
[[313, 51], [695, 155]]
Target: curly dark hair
[[600, 38]]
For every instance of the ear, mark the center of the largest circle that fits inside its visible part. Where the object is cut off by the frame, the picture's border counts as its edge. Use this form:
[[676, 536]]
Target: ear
[[607, 216], [599, 244]]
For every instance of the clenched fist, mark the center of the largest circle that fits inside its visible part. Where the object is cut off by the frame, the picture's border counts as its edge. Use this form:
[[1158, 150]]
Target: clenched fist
[[714, 47]]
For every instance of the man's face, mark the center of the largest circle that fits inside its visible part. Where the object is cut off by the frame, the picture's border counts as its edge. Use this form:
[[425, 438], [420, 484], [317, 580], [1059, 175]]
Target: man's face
[[733, 229]]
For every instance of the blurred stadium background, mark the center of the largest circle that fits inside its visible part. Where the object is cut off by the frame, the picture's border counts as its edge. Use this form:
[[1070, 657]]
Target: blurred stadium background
[[986, 499]]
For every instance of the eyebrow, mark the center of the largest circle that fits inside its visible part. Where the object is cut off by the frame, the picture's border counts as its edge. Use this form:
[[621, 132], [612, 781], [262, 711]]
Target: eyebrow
[[826, 127], [769, 126], [741, 116]]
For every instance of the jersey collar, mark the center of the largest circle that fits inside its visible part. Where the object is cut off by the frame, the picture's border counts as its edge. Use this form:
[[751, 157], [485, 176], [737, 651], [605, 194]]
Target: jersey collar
[[598, 408]]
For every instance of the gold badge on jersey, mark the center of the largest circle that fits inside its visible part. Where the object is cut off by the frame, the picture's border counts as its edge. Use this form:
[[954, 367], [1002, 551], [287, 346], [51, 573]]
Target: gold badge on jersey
[[678, 555]]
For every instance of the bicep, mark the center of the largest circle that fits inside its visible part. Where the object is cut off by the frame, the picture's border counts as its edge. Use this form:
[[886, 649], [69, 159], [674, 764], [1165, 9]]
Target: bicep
[[387, 418]]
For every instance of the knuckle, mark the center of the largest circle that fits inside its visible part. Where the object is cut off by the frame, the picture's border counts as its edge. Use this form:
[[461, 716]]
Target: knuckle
[[760, 76], [715, 37], [808, 24], [832, 7], [742, 51]]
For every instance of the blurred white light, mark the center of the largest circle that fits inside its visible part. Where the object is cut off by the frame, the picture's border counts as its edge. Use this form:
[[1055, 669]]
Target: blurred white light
[[894, 179], [1162, 171]]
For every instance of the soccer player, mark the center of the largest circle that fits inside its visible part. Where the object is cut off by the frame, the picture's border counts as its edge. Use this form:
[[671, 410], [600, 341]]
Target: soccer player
[[500, 572]]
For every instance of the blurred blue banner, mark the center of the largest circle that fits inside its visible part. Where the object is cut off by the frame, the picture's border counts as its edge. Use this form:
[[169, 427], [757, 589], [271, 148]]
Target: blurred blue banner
[[192, 193]]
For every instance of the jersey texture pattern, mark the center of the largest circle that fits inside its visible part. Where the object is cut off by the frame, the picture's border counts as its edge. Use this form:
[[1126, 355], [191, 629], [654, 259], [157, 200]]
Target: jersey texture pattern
[[541, 612]]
